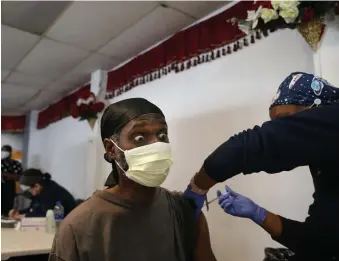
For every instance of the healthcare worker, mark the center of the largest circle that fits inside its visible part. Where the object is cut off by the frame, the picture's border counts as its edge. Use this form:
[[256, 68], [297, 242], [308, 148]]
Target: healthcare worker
[[304, 131], [10, 172], [44, 193]]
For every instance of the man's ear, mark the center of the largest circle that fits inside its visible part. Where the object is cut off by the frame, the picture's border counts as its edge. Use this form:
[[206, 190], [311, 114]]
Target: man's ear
[[109, 148]]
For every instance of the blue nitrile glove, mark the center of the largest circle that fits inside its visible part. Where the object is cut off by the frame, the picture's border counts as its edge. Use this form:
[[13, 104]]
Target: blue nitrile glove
[[197, 199], [240, 206]]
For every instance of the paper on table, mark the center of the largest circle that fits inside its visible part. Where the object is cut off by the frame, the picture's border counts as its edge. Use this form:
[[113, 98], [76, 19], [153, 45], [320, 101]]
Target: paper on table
[[33, 222], [8, 221]]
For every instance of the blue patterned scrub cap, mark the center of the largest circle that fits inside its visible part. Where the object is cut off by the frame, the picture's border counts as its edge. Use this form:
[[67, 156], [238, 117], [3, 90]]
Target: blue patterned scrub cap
[[305, 89]]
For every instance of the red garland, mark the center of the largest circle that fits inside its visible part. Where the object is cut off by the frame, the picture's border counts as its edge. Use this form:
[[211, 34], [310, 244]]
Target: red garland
[[13, 123], [86, 107]]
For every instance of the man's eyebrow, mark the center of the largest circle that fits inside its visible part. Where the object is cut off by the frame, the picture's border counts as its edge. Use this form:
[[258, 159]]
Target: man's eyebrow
[[142, 123]]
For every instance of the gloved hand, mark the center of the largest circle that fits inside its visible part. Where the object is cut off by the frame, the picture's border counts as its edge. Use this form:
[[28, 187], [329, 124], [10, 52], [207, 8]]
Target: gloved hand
[[240, 206], [197, 199]]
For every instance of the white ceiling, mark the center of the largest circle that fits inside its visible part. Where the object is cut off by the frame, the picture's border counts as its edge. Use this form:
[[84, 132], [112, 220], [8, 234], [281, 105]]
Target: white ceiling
[[50, 48]]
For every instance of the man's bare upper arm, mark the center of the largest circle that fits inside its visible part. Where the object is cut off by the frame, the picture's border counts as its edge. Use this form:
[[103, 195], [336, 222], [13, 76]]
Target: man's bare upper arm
[[203, 251]]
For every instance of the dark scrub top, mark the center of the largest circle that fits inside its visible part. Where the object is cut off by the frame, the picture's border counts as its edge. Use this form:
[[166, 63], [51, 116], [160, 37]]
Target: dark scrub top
[[8, 187], [107, 227], [47, 199], [310, 137]]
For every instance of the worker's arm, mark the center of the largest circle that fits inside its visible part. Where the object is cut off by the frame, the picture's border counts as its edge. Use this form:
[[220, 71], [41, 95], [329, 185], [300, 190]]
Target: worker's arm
[[287, 232], [304, 138], [203, 251]]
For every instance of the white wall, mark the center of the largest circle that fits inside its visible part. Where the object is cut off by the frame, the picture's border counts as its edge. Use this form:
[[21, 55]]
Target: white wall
[[15, 140], [203, 106], [327, 58]]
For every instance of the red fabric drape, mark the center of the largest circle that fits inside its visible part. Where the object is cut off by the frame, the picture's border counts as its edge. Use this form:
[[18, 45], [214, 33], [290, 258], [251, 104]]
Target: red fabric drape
[[200, 38], [13, 123]]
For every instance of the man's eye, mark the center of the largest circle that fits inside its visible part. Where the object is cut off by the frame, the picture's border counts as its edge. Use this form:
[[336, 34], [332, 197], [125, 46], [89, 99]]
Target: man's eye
[[162, 136], [139, 138]]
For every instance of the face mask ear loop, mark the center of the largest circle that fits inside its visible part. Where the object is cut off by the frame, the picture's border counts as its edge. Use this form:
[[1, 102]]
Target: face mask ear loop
[[120, 166], [115, 160], [116, 145]]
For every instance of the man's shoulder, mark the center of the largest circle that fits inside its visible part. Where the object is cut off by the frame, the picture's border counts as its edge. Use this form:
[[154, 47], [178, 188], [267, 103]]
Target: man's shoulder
[[16, 162], [179, 198], [81, 215]]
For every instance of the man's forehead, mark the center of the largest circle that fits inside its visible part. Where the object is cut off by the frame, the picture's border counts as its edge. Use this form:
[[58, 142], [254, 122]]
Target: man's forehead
[[146, 119]]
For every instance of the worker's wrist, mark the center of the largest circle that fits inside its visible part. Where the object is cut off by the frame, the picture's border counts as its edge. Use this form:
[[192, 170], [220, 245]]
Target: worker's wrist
[[259, 216], [194, 188], [203, 181]]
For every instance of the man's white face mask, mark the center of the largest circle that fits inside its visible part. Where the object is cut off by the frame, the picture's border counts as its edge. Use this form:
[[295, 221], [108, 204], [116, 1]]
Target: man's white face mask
[[148, 165], [5, 154]]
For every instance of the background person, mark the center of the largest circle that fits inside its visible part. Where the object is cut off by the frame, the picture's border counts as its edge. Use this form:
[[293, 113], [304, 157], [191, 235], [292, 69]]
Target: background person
[[10, 173], [44, 194], [298, 135]]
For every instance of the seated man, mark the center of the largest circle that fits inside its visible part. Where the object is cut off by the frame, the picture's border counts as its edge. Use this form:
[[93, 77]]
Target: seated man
[[134, 218]]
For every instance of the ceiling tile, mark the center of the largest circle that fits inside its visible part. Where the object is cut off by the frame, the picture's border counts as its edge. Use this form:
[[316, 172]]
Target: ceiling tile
[[52, 59], [61, 87], [43, 99], [31, 16], [16, 111], [163, 21], [19, 78], [4, 74], [90, 25], [82, 72], [16, 94], [15, 44], [197, 9]]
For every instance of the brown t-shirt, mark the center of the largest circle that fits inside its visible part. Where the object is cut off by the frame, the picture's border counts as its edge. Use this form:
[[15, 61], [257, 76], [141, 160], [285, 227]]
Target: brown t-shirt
[[108, 228]]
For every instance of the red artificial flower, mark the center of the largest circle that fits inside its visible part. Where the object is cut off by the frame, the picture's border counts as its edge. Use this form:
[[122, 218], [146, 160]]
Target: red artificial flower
[[97, 107], [74, 111], [308, 14], [84, 93], [83, 109]]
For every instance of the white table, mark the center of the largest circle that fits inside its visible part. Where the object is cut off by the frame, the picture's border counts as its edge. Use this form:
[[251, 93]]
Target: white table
[[25, 242]]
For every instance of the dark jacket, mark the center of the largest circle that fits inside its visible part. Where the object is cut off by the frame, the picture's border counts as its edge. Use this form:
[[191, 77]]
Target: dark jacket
[[47, 199], [8, 186], [310, 137]]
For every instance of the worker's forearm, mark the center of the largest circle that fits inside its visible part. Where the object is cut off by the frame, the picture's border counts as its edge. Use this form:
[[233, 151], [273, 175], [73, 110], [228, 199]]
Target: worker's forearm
[[273, 224], [203, 181]]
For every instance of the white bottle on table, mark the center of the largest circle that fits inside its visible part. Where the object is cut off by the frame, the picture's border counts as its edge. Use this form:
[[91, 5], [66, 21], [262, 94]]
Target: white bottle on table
[[50, 221]]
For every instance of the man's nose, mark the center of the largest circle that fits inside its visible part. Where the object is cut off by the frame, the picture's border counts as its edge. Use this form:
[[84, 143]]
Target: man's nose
[[153, 139]]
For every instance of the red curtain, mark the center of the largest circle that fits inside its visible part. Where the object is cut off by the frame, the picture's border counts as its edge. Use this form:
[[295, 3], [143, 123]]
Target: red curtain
[[200, 38], [13, 123]]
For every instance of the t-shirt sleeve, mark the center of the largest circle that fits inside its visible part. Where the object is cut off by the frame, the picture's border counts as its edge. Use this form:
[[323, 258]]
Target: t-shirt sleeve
[[64, 245], [185, 215]]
